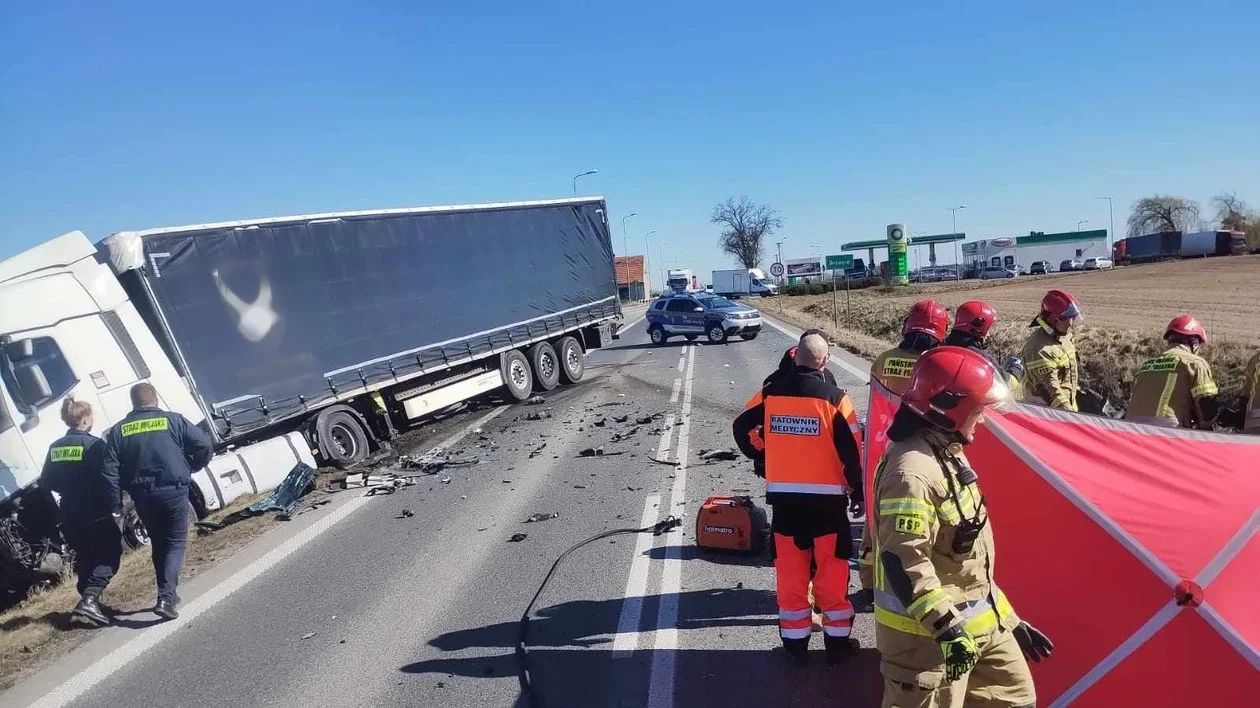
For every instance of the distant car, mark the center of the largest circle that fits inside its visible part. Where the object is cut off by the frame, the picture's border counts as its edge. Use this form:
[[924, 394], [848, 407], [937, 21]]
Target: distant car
[[995, 272], [1070, 265], [691, 315], [1040, 268], [1097, 264]]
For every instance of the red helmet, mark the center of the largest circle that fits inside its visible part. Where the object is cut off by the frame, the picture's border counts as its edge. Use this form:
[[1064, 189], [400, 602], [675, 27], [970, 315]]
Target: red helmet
[[950, 384], [1188, 326], [1059, 305], [975, 317], [926, 317]]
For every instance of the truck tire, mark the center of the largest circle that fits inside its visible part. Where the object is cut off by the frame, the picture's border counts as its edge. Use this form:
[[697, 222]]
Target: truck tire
[[517, 377], [342, 439], [572, 362], [546, 365], [658, 334], [715, 332]]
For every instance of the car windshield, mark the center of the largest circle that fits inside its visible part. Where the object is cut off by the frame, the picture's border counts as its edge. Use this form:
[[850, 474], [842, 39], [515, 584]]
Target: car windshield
[[712, 302]]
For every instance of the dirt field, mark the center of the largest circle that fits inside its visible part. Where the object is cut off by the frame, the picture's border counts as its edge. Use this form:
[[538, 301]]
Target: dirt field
[[1126, 310]]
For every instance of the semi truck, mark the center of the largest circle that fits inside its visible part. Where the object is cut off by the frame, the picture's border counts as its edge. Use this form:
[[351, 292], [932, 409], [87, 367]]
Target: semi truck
[[738, 282], [1167, 245], [680, 280], [299, 339]]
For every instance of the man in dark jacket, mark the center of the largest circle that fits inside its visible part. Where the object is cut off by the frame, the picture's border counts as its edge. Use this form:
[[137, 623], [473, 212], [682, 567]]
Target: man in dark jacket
[[74, 469], [152, 454]]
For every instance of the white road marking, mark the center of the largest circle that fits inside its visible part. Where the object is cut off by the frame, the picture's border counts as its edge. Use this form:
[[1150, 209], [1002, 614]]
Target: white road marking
[[627, 639], [851, 369], [83, 681], [626, 327], [665, 654]]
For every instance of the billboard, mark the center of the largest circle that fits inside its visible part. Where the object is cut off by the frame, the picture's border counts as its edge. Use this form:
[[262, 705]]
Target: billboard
[[804, 267]]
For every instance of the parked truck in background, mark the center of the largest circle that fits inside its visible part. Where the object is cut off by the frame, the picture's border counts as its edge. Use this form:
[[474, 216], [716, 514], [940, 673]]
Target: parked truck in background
[[300, 339], [1168, 245], [739, 282], [680, 280]]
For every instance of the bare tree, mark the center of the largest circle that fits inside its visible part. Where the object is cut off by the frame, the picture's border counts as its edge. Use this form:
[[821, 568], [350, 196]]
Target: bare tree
[[744, 228], [1160, 213], [1231, 212]]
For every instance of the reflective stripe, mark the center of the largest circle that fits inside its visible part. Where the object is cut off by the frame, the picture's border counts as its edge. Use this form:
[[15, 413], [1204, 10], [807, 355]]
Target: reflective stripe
[[807, 488], [978, 616], [1162, 408], [883, 598], [835, 615], [795, 633], [794, 614], [926, 603], [906, 505], [68, 453], [144, 425], [837, 631], [1037, 364], [866, 560], [1204, 389]]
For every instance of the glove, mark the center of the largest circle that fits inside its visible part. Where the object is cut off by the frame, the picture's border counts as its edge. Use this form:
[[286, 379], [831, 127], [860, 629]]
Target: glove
[[856, 508], [960, 652], [1033, 643], [759, 468]]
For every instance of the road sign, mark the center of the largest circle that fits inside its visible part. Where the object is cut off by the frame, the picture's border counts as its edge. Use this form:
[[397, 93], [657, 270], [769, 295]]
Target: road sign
[[844, 262], [776, 269], [804, 267]]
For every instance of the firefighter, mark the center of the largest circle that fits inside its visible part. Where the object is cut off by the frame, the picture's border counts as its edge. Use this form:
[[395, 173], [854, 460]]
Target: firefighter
[[923, 329], [1251, 390], [152, 454], [972, 323], [947, 635], [1052, 371], [813, 476], [75, 470], [1175, 389]]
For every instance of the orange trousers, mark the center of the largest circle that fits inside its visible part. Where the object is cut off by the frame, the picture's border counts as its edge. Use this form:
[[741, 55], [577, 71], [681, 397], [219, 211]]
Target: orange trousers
[[831, 587]]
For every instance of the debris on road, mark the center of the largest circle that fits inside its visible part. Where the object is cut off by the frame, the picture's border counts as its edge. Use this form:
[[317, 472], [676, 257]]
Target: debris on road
[[535, 401], [644, 420], [536, 415], [308, 635], [579, 486], [537, 451], [671, 463], [518, 537], [406, 514], [623, 436], [621, 419], [446, 480], [601, 422], [433, 462], [542, 516], [284, 499], [721, 455], [592, 452]]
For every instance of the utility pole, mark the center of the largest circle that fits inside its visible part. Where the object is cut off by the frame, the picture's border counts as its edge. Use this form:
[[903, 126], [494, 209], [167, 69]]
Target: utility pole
[[1111, 216], [953, 212]]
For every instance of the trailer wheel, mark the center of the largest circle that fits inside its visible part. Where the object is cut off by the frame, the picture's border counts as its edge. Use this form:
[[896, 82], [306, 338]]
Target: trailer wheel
[[546, 365], [572, 363], [517, 377], [342, 438]]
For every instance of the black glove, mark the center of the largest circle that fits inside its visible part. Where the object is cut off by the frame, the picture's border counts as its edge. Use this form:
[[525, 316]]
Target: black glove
[[856, 507], [960, 652], [759, 467], [1034, 644]]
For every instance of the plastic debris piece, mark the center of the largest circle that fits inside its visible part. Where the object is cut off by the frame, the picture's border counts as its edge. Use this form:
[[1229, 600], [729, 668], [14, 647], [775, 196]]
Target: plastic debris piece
[[518, 537], [542, 516]]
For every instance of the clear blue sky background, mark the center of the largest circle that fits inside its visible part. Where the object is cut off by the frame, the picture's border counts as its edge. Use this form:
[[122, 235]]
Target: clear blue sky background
[[843, 116]]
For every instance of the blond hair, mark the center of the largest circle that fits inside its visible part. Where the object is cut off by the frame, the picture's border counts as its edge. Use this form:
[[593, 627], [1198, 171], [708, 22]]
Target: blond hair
[[75, 412]]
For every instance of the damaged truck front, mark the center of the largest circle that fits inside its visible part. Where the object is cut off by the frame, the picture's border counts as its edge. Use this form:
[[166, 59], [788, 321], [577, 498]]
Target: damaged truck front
[[299, 339]]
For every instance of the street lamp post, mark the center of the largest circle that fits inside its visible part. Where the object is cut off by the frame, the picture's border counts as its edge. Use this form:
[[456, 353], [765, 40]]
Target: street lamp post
[[660, 249], [953, 212], [575, 179], [1082, 221], [625, 241], [779, 244], [1111, 217]]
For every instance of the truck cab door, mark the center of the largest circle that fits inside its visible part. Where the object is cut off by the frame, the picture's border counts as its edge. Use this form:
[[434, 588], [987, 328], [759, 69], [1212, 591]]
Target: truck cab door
[[17, 468]]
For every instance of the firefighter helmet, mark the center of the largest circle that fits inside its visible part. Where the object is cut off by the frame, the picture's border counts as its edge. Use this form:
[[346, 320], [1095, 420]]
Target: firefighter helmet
[[1187, 326], [948, 385], [1060, 306], [926, 317], [975, 317]]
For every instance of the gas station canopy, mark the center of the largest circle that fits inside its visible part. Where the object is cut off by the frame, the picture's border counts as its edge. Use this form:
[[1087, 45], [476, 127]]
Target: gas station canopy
[[914, 241]]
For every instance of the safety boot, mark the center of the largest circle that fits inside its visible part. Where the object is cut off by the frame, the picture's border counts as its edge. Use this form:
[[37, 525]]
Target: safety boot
[[88, 611], [166, 610], [840, 649], [797, 651]]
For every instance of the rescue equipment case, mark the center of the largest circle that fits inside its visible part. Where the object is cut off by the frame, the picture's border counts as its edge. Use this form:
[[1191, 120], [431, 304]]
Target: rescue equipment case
[[736, 524]]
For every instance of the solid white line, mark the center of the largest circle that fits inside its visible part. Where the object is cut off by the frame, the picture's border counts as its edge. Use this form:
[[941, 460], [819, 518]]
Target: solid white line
[[662, 450], [626, 327], [673, 396], [627, 639], [665, 649], [149, 638], [682, 359], [849, 368], [1122, 652]]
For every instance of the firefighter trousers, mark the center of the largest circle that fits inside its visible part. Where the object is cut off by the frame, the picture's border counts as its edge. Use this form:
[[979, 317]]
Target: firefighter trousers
[[792, 557], [914, 674]]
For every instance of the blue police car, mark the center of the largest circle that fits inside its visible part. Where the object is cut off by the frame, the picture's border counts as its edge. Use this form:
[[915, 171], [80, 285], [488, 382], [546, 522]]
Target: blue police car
[[692, 315]]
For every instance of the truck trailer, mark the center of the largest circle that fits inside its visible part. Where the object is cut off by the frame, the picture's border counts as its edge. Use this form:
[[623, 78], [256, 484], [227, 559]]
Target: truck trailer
[[297, 339], [1171, 245], [738, 282]]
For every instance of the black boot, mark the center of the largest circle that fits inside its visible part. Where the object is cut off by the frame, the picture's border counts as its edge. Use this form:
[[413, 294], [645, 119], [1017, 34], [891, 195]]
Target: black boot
[[840, 649], [797, 651], [166, 610], [88, 611], [863, 600]]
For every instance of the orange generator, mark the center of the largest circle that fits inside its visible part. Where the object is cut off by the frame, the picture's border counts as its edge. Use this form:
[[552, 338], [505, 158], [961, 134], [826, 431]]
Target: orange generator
[[733, 524]]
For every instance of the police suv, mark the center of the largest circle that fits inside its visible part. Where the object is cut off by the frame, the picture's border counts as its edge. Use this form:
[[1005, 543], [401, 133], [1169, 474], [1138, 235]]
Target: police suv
[[691, 315]]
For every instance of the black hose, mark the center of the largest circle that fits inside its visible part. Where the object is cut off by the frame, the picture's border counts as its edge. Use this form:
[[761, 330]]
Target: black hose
[[522, 638]]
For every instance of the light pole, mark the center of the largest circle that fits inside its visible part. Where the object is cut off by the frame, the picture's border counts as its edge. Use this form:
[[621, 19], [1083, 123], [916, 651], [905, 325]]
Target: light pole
[[1111, 217], [779, 244], [625, 242], [660, 249], [575, 179], [1082, 221], [953, 212]]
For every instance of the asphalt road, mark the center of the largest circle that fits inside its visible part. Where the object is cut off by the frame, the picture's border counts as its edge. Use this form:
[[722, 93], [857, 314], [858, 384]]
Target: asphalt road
[[389, 610]]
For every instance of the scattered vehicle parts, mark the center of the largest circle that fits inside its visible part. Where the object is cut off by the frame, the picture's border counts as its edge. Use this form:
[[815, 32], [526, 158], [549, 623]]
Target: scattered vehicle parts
[[542, 516]]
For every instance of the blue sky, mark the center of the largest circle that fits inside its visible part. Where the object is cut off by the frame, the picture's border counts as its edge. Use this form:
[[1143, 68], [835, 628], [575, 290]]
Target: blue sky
[[843, 116]]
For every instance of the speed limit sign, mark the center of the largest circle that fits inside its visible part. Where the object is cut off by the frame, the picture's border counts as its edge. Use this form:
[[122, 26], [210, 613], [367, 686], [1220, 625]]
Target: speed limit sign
[[776, 269]]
